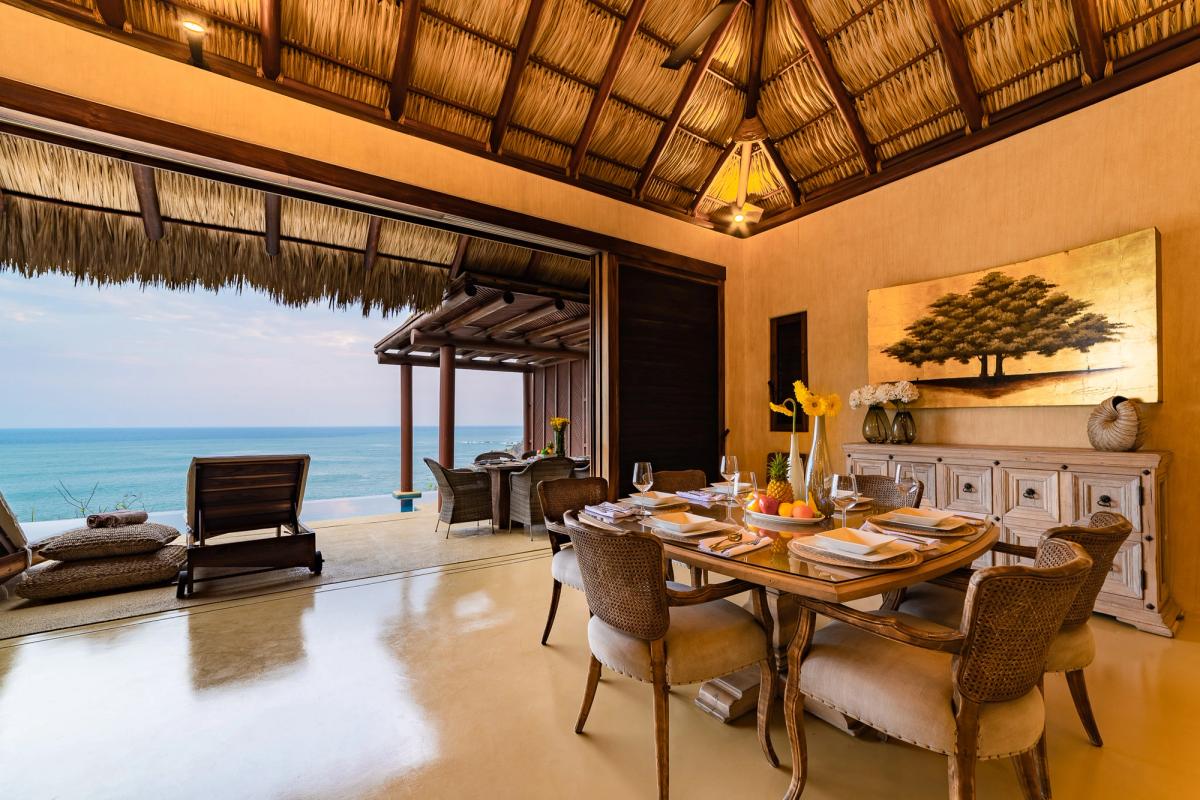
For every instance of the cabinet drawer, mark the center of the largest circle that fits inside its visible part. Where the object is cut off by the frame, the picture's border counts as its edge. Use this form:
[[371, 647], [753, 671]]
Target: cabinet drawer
[[1125, 577], [922, 471], [1117, 493], [1030, 495], [1026, 537], [966, 488], [869, 466]]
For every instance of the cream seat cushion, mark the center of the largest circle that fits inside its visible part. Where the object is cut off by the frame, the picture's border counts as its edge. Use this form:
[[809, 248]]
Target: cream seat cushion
[[564, 567], [906, 692], [1072, 648], [704, 641]]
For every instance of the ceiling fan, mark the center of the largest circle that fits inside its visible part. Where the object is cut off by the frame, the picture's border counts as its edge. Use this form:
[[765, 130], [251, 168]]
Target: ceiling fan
[[692, 43]]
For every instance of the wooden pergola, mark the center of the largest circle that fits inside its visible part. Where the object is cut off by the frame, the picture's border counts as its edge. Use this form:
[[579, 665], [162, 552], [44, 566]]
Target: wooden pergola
[[482, 328]]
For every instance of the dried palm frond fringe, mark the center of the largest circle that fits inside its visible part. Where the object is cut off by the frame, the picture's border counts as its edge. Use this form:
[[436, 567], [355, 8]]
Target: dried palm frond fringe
[[438, 114], [321, 223], [732, 58], [716, 110], [550, 104], [1150, 27], [539, 148], [935, 128], [417, 241], [220, 38], [915, 94], [100, 248], [1021, 39], [686, 160], [794, 98], [244, 12], [577, 37], [817, 146], [497, 18], [893, 33], [642, 80], [333, 78], [359, 32], [675, 19], [61, 172], [625, 134], [829, 14], [608, 172], [832, 174], [496, 258], [457, 66], [211, 202], [557, 270], [783, 43], [668, 194]]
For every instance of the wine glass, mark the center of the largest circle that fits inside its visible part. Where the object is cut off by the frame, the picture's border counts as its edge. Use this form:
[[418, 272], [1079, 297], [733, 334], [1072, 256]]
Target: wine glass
[[844, 494], [729, 471], [906, 482], [643, 476], [751, 481]]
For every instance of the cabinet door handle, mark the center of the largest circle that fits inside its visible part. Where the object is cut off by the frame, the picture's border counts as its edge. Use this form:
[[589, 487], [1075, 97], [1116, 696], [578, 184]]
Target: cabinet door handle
[[969, 488], [1030, 493], [1105, 501]]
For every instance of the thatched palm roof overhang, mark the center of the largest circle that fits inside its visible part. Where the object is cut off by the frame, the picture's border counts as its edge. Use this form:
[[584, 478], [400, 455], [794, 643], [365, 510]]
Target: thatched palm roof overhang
[[103, 220], [849, 92]]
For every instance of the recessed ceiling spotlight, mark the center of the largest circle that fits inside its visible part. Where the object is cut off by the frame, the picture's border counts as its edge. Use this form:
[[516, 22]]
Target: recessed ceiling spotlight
[[739, 217], [193, 27]]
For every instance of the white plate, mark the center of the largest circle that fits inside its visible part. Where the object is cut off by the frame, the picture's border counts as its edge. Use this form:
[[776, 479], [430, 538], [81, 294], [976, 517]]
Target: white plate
[[767, 520], [854, 540], [680, 521], [709, 526], [889, 550], [651, 499], [923, 518], [723, 487]]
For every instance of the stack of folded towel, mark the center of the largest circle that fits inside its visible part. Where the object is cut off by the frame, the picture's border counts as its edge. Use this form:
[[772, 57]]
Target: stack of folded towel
[[609, 512]]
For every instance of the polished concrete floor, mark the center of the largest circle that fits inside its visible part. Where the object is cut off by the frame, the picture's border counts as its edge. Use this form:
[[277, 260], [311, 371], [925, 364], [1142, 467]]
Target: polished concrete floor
[[432, 684]]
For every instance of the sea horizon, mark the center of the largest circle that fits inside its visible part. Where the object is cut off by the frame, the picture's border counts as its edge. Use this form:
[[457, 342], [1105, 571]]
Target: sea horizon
[[146, 467]]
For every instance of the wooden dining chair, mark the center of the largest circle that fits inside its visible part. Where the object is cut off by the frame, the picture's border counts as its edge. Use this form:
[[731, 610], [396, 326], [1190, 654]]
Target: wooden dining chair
[[466, 495], [968, 692], [679, 480], [557, 498], [663, 633]]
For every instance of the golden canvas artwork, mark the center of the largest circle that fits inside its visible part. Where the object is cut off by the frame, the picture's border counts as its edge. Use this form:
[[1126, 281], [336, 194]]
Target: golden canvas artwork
[[1066, 329]]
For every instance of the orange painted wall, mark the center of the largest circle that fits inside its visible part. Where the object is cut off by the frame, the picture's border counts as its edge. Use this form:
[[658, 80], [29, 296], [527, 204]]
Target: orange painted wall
[[1129, 163]]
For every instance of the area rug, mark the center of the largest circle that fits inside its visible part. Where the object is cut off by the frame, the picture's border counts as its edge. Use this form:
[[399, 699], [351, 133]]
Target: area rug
[[364, 547]]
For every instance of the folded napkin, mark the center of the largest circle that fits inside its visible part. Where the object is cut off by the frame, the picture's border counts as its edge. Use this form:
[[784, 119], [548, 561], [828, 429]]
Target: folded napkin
[[700, 496], [609, 512], [925, 542], [744, 547], [597, 522], [116, 519]]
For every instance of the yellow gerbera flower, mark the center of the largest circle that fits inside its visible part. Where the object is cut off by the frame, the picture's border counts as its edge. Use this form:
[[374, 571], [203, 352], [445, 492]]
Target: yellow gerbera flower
[[802, 392], [835, 404], [809, 404], [778, 409], [820, 406]]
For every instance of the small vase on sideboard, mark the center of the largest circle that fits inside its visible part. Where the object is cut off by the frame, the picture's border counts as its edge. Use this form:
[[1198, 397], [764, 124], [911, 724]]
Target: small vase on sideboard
[[876, 429], [904, 427]]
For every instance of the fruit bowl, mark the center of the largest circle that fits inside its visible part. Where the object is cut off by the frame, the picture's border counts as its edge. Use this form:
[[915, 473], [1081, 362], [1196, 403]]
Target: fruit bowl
[[776, 522]]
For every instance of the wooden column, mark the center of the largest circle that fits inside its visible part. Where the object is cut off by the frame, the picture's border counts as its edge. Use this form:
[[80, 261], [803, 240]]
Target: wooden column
[[406, 428], [527, 385], [446, 416]]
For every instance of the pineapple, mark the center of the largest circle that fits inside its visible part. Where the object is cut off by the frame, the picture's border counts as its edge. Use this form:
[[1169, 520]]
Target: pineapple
[[778, 487]]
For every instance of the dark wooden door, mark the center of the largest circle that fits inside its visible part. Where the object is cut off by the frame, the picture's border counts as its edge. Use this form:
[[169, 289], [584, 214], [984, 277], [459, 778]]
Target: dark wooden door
[[669, 373]]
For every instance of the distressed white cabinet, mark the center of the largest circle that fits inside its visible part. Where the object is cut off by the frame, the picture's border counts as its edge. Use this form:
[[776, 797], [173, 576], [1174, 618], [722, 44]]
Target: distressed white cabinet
[[1027, 490]]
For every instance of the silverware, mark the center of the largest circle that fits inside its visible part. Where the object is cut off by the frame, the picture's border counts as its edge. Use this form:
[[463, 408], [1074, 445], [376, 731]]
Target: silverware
[[731, 540]]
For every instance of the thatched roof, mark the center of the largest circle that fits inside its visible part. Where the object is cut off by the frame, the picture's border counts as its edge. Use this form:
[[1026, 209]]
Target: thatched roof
[[81, 214], [846, 87]]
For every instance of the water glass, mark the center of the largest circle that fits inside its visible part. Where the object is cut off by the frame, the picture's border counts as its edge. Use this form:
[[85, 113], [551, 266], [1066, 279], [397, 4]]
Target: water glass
[[844, 494]]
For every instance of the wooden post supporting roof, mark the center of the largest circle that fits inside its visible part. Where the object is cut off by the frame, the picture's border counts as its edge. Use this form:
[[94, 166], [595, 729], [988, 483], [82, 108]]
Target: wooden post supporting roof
[[520, 58], [690, 87], [371, 250], [951, 44], [1091, 39], [147, 194], [406, 428], [406, 45], [269, 38], [446, 407], [824, 64], [274, 209], [460, 253], [629, 27]]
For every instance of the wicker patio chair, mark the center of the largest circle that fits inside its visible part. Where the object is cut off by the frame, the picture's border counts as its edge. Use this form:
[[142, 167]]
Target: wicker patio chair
[[1073, 647], [679, 480], [968, 692], [664, 634], [886, 492], [523, 505], [557, 498], [494, 455], [466, 495]]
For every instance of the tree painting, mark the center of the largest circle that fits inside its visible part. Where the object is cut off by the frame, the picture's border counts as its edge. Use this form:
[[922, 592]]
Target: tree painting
[[1002, 317]]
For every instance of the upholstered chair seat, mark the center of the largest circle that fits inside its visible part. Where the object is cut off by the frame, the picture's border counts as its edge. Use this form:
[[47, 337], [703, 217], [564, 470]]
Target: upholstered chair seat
[[555, 498], [704, 641], [564, 568]]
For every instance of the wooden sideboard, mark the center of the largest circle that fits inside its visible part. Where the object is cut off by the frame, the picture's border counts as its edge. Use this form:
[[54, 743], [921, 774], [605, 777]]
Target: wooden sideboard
[[1030, 489]]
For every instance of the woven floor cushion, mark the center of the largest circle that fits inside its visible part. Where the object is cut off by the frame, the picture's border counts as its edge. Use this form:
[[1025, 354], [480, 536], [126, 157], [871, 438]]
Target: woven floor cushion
[[128, 540], [70, 578]]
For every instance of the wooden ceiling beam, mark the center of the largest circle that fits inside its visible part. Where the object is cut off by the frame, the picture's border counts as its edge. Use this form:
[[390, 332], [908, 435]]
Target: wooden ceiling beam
[[112, 12], [758, 35], [1091, 39], [371, 250], [533, 315], [435, 360], [837, 90], [699, 69], [274, 213], [471, 317], [406, 46], [515, 348], [951, 44], [147, 194], [516, 68], [572, 325], [269, 38], [460, 254], [624, 39]]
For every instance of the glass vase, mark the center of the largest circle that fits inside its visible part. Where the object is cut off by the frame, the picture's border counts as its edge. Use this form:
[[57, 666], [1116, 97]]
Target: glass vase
[[795, 473], [560, 441], [876, 429], [818, 477], [904, 427]]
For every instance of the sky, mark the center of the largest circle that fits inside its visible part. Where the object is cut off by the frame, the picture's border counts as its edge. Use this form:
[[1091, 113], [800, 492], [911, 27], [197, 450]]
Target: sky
[[124, 356]]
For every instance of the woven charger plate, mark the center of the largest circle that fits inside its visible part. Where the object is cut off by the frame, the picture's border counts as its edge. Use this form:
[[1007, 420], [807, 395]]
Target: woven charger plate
[[903, 561], [961, 532]]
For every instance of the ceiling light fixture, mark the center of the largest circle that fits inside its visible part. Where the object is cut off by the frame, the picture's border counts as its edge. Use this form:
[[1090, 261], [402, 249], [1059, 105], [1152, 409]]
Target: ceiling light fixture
[[193, 27], [741, 211], [194, 32]]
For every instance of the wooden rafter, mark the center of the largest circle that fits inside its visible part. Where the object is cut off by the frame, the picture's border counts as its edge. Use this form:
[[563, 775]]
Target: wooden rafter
[[460, 253], [837, 90], [147, 195], [517, 68], [269, 38], [470, 318], [699, 69], [571, 325], [712, 176], [484, 345], [1091, 39], [112, 12], [274, 209], [946, 33], [624, 39], [406, 45], [758, 34], [371, 250], [524, 319]]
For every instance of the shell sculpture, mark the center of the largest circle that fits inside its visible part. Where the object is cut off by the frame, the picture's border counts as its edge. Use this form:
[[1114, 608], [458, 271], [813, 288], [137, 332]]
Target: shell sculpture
[[1116, 425]]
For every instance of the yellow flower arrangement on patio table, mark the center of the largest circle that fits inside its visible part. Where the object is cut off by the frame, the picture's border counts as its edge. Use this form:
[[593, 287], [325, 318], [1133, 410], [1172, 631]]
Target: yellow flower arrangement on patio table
[[558, 423]]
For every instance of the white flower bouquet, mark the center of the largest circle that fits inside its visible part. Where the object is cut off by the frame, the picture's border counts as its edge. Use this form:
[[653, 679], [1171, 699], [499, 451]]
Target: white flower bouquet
[[877, 394]]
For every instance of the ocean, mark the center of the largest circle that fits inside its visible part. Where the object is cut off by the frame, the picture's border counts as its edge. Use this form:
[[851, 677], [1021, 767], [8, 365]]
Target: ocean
[[147, 467]]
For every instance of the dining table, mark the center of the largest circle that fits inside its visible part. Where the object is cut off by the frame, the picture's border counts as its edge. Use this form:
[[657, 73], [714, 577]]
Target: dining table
[[788, 574], [498, 471]]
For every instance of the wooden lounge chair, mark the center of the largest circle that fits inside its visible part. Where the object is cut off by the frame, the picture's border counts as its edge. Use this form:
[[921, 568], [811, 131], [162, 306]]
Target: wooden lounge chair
[[16, 556], [234, 494]]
